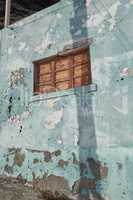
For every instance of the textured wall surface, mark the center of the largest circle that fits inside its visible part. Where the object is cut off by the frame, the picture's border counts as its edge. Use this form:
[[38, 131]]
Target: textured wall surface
[[76, 141]]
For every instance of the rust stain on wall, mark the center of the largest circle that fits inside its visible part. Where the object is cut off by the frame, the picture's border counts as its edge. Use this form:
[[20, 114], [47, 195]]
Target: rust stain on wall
[[35, 161], [98, 170], [84, 183], [63, 163], [75, 161], [47, 156], [19, 158], [57, 152]]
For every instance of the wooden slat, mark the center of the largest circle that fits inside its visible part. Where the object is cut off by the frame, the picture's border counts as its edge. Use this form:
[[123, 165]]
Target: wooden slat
[[63, 85], [59, 81], [53, 66], [84, 80], [45, 68], [63, 75], [36, 77], [63, 63], [45, 78], [81, 57], [72, 72], [84, 62], [46, 89], [44, 83], [81, 70]]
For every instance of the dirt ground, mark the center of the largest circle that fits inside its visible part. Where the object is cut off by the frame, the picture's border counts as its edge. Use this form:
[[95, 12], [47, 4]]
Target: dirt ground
[[15, 189]]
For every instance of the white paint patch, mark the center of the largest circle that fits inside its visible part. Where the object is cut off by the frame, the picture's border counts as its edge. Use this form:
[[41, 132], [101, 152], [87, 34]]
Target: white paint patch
[[21, 46], [131, 2], [100, 30], [51, 102], [75, 140], [96, 20], [59, 16], [45, 43], [20, 23], [112, 23], [120, 102], [114, 59], [103, 140], [59, 142], [10, 51], [126, 72], [27, 49], [25, 115], [88, 2], [78, 32], [52, 119], [16, 64], [113, 9]]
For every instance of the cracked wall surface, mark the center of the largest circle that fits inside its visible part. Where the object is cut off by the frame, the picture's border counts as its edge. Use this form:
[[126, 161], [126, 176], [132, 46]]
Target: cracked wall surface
[[78, 142]]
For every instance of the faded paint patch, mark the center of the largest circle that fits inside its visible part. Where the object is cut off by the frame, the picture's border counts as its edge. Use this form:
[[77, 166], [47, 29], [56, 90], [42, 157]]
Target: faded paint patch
[[98, 170], [16, 77], [19, 157], [47, 156], [52, 119]]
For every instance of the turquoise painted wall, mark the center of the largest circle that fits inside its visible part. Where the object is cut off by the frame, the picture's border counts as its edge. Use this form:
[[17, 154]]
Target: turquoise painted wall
[[77, 141]]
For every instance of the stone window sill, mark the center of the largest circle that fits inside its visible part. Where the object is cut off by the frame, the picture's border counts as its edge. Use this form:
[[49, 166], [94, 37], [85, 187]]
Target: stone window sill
[[73, 91]]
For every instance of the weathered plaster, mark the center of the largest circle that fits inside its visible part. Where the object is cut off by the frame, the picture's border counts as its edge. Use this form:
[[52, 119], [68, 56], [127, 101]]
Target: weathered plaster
[[80, 138]]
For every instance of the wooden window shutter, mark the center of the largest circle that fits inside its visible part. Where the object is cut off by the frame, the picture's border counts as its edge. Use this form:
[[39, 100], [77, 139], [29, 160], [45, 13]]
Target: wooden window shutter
[[62, 72]]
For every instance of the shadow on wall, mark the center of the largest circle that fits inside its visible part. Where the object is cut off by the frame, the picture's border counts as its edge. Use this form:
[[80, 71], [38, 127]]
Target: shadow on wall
[[91, 169]]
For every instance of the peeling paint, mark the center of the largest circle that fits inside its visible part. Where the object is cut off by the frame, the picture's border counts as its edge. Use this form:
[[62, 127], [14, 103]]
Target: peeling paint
[[99, 171], [19, 158]]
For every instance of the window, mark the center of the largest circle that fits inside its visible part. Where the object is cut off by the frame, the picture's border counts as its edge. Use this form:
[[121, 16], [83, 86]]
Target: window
[[69, 70]]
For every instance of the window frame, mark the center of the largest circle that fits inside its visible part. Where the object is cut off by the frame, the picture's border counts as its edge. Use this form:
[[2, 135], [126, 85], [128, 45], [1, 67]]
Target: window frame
[[65, 53]]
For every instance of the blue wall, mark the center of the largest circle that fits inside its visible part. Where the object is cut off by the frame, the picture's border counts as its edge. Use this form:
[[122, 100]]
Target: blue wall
[[77, 141]]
